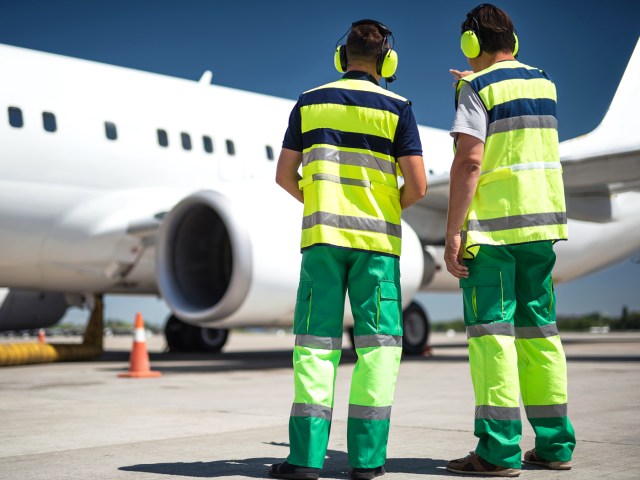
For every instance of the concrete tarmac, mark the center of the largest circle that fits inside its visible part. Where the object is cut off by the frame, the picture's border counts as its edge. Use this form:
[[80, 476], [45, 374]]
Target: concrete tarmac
[[226, 416]]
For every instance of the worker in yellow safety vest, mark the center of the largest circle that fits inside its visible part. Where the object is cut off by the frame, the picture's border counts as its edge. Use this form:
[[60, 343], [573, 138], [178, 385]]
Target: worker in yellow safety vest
[[353, 140], [506, 209]]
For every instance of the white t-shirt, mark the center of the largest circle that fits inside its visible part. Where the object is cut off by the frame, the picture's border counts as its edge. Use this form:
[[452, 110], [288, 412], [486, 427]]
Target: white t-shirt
[[471, 116]]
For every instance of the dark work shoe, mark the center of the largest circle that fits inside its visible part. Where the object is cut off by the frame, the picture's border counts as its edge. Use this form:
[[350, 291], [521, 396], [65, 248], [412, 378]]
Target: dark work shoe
[[474, 464], [367, 473], [293, 472]]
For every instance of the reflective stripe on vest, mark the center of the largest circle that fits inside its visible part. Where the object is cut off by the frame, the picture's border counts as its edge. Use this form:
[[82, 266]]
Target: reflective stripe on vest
[[349, 171], [520, 194]]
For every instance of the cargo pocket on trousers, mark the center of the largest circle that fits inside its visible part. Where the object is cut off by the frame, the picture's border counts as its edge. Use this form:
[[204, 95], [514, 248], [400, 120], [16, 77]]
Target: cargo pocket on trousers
[[302, 313], [482, 295], [389, 321]]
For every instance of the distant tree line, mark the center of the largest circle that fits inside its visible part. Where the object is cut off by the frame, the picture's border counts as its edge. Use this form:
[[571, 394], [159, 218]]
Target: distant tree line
[[627, 321]]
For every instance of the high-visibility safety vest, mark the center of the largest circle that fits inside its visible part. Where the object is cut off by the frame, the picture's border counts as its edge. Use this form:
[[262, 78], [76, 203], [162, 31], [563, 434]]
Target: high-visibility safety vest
[[349, 171], [520, 193]]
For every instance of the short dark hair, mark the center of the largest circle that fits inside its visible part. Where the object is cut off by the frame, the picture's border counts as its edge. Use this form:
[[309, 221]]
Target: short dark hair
[[493, 26], [364, 43]]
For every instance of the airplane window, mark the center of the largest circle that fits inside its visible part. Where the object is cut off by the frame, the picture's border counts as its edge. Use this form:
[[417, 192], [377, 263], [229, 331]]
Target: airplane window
[[15, 117], [110, 130], [186, 141], [269, 152], [207, 143], [49, 122], [231, 148], [163, 138]]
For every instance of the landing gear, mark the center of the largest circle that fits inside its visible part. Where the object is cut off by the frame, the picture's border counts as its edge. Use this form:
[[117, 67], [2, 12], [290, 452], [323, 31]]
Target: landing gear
[[212, 340], [182, 337], [416, 329]]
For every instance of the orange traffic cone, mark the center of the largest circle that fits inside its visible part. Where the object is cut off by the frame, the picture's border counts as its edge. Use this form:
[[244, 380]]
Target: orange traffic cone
[[139, 359], [41, 336]]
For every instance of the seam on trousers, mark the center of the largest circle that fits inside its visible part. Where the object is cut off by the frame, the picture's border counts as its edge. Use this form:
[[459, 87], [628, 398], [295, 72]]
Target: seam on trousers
[[379, 307], [309, 311], [502, 298]]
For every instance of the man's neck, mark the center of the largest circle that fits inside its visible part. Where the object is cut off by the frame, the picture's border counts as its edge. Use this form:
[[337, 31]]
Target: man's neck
[[485, 60], [364, 68]]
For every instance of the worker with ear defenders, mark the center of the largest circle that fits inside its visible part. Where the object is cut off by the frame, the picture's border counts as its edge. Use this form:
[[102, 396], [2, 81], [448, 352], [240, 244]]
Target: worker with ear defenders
[[353, 139], [506, 210]]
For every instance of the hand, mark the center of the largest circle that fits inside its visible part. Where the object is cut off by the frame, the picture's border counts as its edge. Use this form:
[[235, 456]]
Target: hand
[[453, 257], [457, 75]]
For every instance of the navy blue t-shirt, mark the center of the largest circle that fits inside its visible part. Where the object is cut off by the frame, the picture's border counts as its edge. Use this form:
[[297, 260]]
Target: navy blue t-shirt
[[406, 142]]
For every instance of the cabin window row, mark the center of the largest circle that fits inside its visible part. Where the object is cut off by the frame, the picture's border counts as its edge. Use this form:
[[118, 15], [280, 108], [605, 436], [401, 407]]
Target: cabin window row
[[185, 141], [49, 123], [16, 119]]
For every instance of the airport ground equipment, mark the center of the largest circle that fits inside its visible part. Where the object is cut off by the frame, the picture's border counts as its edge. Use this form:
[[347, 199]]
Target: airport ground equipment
[[89, 349]]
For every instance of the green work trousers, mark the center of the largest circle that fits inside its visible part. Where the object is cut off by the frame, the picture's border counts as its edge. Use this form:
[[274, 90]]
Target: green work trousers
[[515, 349], [373, 283]]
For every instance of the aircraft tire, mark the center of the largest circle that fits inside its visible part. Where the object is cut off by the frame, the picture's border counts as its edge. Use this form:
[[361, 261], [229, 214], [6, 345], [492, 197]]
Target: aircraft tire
[[211, 340], [182, 337], [177, 334], [416, 329]]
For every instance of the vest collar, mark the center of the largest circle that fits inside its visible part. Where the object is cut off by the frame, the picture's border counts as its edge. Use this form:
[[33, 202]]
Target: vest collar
[[358, 75]]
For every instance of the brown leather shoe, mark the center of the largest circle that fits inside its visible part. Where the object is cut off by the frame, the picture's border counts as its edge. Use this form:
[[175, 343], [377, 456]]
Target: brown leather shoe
[[532, 458], [474, 464]]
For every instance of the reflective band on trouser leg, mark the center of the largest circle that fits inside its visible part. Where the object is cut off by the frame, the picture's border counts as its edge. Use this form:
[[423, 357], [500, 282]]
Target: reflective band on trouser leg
[[372, 387], [494, 373], [314, 372], [543, 381]]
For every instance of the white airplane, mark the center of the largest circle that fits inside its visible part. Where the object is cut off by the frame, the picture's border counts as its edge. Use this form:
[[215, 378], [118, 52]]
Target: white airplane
[[114, 180]]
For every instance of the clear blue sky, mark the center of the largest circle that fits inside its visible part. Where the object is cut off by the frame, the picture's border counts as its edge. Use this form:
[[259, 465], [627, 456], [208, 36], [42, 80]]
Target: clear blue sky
[[284, 47]]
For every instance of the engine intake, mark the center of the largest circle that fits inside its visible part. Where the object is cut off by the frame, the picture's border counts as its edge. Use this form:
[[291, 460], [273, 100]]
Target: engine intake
[[204, 258]]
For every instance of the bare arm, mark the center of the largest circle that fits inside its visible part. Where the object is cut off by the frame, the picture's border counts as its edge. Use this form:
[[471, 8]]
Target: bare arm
[[457, 75], [287, 175], [465, 172], [415, 180]]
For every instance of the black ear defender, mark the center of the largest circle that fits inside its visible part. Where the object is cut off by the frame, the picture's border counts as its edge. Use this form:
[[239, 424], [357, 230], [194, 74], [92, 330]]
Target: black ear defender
[[387, 62], [471, 40]]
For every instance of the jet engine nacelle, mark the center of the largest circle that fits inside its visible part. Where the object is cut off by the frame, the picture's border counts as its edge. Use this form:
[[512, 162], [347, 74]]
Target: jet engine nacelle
[[233, 259], [27, 309]]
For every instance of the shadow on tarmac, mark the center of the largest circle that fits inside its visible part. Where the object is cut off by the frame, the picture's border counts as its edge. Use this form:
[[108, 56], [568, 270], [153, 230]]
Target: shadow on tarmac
[[281, 359], [336, 466]]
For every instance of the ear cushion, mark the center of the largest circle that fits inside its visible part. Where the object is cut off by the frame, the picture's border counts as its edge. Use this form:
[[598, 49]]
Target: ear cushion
[[469, 44], [340, 58], [517, 47], [387, 63]]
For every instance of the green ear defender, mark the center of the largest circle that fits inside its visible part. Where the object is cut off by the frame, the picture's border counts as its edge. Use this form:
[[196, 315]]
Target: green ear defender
[[340, 58], [472, 47], [469, 44], [387, 63]]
